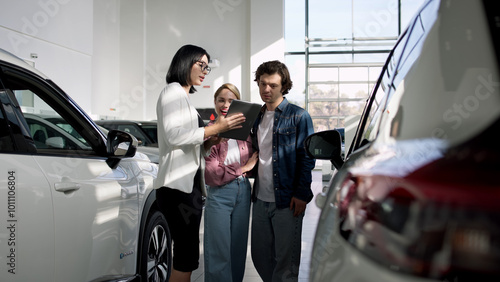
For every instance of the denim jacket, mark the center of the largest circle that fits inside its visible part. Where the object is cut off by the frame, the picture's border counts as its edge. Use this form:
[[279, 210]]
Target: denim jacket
[[292, 168]]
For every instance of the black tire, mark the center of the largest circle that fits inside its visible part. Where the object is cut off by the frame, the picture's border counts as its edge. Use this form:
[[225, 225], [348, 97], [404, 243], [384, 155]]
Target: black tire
[[156, 250]]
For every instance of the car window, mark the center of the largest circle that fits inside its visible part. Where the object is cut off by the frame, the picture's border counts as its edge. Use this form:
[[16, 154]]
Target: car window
[[413, 45], [48, 135], [50, 120], [373, 109], [376, 105], [66, 127], [409, 54], [441, 95], [152, 131], [6, 142]]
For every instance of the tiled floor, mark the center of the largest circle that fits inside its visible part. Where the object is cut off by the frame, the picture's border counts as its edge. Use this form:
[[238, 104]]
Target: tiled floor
[[308, 230]]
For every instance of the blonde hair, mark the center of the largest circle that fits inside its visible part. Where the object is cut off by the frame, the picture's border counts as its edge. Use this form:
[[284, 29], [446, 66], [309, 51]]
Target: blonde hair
[[230, 87]]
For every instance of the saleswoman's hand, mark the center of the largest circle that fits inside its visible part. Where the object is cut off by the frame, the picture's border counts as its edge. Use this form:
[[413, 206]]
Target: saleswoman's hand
[[223, 124], [230, 122]]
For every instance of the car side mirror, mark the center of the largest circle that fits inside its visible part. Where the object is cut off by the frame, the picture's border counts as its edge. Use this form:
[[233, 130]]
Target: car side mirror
[[325, 145], [120, 145]]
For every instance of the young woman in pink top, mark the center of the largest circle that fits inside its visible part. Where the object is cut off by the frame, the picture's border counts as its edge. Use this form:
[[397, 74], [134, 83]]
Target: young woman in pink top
[[227, 207]]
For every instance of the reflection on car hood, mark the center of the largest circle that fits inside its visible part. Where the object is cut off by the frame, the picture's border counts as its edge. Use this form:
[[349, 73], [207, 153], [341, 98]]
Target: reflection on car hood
[[151, 152], [401, 158]]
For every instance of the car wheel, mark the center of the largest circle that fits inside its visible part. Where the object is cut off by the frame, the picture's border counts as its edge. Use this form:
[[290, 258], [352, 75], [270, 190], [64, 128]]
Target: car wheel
[[156, 255]]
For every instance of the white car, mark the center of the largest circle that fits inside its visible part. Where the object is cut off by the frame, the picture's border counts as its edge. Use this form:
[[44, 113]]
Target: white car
[[77, 205], [417, 196]]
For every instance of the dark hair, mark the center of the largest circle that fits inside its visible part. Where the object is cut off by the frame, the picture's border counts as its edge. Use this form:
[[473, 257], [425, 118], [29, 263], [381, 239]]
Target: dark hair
[[273, 67], [182, 62]]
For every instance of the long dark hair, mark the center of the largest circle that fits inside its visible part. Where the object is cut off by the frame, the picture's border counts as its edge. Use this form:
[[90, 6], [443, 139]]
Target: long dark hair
[[184, 59]]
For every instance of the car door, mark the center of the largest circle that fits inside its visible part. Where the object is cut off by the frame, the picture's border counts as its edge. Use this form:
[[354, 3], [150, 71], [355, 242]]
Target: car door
[[89, 208], [27, 225]]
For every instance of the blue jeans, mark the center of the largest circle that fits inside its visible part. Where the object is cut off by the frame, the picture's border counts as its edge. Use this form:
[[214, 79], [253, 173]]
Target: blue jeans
[[227, 213], [276, 242]]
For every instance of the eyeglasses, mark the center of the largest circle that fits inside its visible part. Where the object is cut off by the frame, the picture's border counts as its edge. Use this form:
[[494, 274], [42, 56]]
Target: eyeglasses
[[204, 67]]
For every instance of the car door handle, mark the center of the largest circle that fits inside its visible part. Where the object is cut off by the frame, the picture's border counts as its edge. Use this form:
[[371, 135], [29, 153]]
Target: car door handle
[[66, 186]]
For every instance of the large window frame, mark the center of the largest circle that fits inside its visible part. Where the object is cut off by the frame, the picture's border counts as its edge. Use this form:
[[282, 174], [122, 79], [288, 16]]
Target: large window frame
[[364, 51]]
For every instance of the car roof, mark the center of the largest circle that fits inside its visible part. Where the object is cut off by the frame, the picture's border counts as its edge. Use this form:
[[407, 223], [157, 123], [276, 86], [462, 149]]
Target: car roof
[[14, 60]]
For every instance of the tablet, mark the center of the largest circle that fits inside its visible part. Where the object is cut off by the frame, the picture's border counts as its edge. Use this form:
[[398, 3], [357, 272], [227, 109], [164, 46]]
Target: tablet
[[250, 111]]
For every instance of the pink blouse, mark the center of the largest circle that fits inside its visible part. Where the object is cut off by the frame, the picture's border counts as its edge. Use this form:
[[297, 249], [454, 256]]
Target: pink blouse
[[216, 173]]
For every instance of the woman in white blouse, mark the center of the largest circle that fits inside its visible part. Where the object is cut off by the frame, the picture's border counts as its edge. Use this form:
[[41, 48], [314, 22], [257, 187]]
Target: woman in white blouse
[[181, 133]]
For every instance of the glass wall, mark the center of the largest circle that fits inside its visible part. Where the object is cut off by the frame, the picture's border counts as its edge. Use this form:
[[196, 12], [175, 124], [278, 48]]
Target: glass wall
[[335, 50]]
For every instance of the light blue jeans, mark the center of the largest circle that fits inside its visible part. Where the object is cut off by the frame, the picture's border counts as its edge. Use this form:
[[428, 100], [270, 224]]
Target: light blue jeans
[[276, 242], [227, 213]]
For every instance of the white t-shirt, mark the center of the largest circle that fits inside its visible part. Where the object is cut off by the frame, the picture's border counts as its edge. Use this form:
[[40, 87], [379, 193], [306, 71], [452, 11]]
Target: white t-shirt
[[265, 171], [233, 152]]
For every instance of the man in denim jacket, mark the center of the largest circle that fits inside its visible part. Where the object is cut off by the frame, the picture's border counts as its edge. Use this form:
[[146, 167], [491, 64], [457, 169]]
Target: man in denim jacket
[[283, 182]]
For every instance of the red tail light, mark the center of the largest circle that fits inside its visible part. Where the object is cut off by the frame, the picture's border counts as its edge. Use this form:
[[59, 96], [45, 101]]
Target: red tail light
[[424, 227]]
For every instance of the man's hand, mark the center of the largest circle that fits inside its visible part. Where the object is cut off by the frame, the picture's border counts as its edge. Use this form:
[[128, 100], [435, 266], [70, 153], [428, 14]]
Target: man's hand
[[299, 205]]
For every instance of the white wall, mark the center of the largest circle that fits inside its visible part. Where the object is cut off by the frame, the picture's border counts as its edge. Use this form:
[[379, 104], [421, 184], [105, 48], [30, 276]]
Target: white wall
[[106, 58], [60, 33], [267, 42], [218, 26], [112, 56], [240, 34]]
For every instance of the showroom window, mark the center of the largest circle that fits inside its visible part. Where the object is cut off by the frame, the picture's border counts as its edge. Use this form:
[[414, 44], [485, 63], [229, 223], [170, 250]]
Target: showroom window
[[335, 50]]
